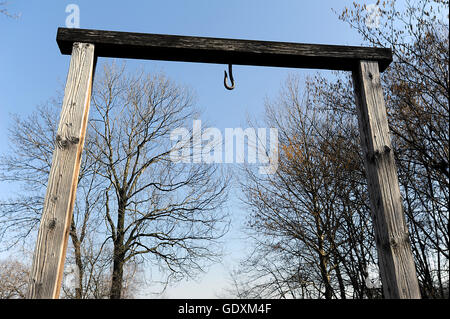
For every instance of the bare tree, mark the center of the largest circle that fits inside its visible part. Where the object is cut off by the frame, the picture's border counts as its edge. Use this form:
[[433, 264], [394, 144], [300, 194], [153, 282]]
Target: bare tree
[[416, 87], [13, 279], [153, 207], [134, 205], [416, 90], [310, 221], [28, 164], [96, 279]]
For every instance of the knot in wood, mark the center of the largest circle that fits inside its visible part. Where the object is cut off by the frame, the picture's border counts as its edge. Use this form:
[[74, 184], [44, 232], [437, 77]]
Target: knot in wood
[[52, 223], [393, 242], [398, 241], [372, 156], [64, 143]]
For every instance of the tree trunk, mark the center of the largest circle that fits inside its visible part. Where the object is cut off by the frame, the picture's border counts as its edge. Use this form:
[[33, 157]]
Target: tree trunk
[[340, 281], [79, 288], [79, 276], [323, 261], [117, 276], [119, 254], [325, 277], [78, 261]]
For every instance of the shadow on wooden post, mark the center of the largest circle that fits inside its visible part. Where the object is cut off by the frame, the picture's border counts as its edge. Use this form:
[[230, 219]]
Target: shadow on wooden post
[[395, 258], [50, 252]]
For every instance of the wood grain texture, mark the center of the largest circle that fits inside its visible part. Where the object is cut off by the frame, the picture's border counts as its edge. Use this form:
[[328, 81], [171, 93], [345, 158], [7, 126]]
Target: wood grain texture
[[396, 263], [50, 252], [224, 51]]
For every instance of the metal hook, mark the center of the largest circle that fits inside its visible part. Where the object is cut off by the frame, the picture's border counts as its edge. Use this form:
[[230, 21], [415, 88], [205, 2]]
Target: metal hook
[[230, 70]]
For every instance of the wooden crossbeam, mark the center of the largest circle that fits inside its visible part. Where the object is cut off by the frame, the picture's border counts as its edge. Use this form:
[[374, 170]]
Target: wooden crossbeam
[[146, 46]]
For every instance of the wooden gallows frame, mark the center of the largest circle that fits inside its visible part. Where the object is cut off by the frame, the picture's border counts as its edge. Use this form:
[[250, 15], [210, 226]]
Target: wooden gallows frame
[[396, 264]]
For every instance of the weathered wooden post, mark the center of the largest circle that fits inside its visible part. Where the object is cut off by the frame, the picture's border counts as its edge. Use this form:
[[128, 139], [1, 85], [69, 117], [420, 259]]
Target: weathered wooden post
[[50, 252], [395, 258]]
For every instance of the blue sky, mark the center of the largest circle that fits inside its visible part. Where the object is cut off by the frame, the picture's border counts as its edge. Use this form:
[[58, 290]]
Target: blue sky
[[32, 68]]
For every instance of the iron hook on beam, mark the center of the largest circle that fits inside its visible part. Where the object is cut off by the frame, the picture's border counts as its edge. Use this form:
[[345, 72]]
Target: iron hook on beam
[[230, 70]]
